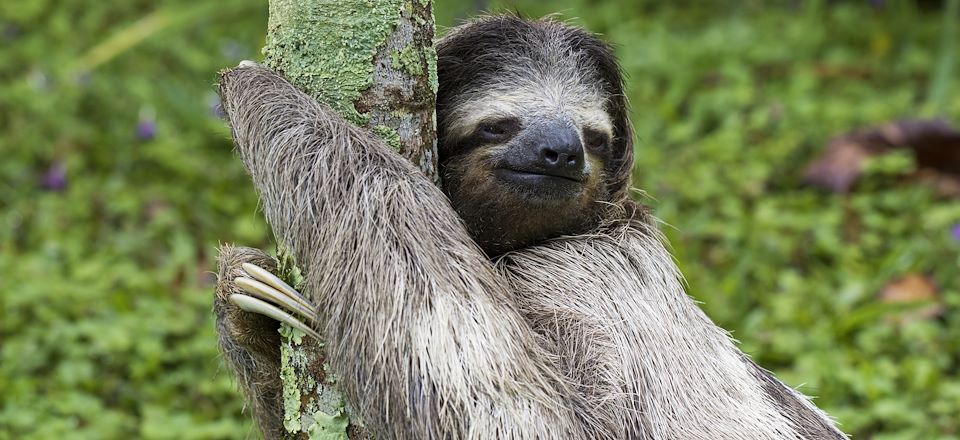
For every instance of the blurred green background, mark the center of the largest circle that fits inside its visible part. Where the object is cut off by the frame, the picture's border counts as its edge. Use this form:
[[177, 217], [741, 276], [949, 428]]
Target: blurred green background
[[117, 182]]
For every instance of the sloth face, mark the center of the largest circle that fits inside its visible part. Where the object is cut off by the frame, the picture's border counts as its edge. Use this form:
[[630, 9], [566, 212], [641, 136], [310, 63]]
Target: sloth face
[[534, 142], [529, 166], [544, 140]]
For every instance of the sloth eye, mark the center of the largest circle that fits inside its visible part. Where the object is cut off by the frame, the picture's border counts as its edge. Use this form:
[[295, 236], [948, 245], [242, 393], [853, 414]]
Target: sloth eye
[[595, 140], [499, 130]]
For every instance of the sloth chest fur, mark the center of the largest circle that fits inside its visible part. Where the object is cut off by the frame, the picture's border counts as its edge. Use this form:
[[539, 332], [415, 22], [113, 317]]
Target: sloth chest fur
[[671, 371]]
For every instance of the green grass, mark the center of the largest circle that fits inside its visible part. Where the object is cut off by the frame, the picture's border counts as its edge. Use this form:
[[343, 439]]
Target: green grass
[[105, 323]]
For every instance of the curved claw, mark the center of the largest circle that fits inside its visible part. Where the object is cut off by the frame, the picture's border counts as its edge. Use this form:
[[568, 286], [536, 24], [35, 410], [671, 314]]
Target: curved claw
[[275, 297], [272, 280], [270, 296], [254, 305]]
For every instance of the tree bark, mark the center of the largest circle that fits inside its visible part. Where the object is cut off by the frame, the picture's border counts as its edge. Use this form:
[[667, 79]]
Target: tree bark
[[374, 63]]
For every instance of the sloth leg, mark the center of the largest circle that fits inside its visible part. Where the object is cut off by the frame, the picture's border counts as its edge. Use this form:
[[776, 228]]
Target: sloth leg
[[249, 342]]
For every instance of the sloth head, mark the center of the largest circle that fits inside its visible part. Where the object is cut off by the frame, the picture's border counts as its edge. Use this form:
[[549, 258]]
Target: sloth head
[[534, 137]]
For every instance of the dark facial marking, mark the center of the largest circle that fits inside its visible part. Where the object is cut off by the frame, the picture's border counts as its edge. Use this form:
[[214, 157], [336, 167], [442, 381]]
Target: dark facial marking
[[596, 142], [545, 162], [477, 53], [498, 131], [519, 181]]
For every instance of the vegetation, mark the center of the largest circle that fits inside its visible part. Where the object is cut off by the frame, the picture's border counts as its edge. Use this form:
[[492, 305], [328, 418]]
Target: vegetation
[[118, 182]]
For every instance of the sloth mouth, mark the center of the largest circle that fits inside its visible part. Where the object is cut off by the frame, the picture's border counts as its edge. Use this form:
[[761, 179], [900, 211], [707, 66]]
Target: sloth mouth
[[539, 184], [524, 174]]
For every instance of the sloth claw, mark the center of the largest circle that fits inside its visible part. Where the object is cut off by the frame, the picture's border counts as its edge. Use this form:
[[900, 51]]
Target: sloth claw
[[254, 305], [270, 296], [274, 281]]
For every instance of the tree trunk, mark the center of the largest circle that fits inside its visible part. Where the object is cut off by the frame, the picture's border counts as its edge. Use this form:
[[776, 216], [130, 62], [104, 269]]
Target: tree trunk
[[374, 63]]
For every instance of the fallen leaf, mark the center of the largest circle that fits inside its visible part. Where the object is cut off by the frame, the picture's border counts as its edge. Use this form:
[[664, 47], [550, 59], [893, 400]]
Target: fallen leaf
[[934, 143], [912, 288], [839, 167]]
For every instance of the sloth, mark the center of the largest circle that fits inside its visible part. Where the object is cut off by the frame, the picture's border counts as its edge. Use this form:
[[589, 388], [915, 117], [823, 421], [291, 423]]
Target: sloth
[[529, 298]]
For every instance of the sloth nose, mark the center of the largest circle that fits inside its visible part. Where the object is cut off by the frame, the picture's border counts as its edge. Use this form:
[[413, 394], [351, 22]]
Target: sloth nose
[[561, 152]]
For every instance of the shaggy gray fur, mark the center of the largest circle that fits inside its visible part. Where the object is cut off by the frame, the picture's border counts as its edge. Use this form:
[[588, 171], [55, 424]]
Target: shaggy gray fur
[[424, 338], [249, 342], [615, 309], [578, 337]]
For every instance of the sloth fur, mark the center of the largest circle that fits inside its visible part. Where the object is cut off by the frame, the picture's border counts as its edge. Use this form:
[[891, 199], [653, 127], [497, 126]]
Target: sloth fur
[[483, 316]]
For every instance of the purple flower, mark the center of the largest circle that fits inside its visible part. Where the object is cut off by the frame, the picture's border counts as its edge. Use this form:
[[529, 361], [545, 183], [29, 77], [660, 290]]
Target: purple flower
[[10, 31], [216, 109], [54, 178], [955, 232], [39, 80], [233, 50], [146, 129]]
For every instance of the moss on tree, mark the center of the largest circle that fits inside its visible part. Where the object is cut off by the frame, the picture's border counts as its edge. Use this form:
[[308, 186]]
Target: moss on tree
[[373, 62]]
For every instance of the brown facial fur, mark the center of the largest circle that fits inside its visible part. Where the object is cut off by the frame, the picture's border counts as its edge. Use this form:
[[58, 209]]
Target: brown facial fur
[[501, 220], [532, 70]]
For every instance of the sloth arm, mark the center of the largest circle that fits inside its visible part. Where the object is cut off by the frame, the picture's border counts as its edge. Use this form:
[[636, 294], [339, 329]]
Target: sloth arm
[[614, 306], [418, 328]]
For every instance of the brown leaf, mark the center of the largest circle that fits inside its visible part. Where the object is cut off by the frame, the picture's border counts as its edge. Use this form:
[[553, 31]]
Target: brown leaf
[[839, 167], [944, 184], [913, 288], [935, 144]]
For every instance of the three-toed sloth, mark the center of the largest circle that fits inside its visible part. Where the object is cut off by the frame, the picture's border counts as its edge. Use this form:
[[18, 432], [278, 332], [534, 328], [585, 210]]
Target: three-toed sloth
[[530, 298]]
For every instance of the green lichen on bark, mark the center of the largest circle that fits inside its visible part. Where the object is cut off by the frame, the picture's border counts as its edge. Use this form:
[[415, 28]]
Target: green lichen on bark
[[389, 135], [312, 409], [287, 269], [407, 60], [327, 47], [329, 427], [431, 54], [432, 69], [292, 360], [373, 62]]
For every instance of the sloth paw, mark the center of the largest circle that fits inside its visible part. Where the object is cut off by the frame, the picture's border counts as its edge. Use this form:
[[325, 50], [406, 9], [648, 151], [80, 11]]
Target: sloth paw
[[268, 295]]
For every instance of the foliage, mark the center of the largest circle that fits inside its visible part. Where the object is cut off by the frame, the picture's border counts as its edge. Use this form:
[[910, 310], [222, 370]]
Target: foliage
[[118, 182]]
